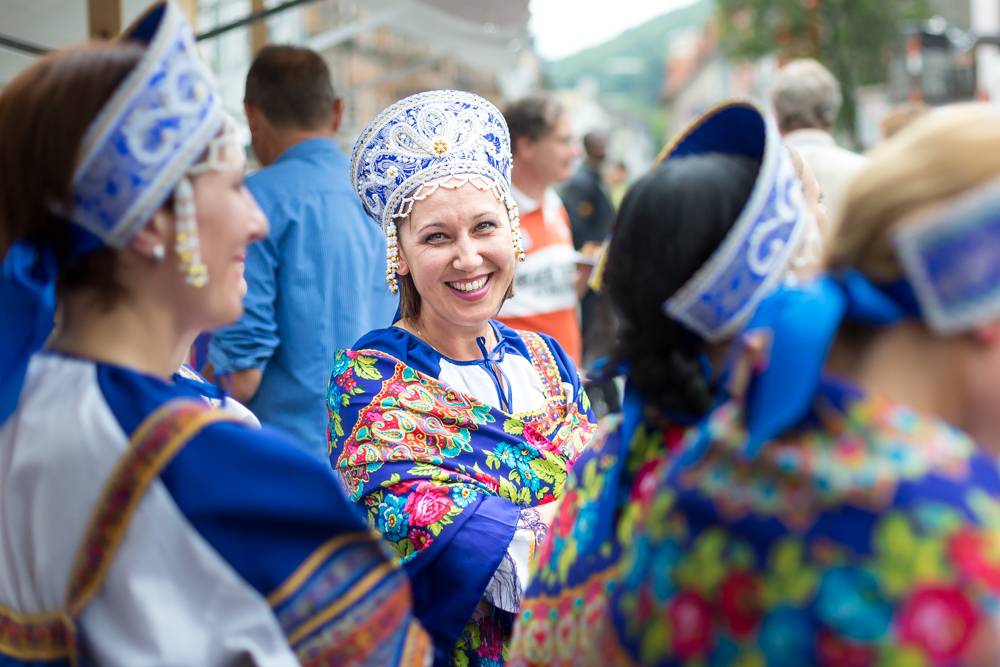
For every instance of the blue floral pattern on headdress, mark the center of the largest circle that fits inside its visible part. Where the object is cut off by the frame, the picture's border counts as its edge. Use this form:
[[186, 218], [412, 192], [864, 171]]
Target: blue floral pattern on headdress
[[424, 137], [153, 129], [755, 256], [950, 257]]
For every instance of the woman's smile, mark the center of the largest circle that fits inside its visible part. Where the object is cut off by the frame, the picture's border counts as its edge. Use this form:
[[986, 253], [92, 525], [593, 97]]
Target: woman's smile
[[471, 289]]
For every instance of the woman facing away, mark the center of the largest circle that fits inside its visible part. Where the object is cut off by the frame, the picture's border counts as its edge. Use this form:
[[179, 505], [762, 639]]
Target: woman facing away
[[453, 431], [139, 526], [836, 507], [677, 271]]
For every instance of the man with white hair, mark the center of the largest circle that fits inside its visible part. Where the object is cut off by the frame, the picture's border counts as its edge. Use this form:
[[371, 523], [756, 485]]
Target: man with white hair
[[806, 99]]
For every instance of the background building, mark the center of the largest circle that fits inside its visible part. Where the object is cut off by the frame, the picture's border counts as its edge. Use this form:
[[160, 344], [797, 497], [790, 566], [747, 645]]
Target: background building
[[379, 51]]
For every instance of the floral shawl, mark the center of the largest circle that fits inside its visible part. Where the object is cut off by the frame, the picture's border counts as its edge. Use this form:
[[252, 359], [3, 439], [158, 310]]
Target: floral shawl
[[868, 536], [442, 476]]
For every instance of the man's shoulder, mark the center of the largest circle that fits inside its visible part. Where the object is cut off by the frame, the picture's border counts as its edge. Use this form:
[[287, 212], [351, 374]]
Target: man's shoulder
[[324, 168]]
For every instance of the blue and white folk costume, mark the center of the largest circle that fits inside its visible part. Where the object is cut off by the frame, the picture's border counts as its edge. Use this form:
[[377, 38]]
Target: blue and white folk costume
[[138, 524], [214, 395], [449, 458]]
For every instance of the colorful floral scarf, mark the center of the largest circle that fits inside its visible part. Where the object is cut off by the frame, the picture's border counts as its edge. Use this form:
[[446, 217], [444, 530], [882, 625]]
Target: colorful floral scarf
[[420, 457], [867, 537]]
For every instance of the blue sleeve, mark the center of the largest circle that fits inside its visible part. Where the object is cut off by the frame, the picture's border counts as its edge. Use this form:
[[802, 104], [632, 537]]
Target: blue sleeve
[[260, 499], [279, 518], [250, 342]]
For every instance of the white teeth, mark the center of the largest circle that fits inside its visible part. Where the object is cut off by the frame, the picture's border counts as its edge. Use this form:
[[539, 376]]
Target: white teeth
[[469, 287]]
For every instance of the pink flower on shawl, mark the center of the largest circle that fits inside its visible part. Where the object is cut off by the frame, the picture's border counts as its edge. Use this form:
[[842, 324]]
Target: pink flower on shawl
[[939, 619], [537, 440], [489, 482], [428, 503]]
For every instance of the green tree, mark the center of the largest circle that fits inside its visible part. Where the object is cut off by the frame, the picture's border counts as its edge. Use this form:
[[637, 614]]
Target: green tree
[[853, 38]]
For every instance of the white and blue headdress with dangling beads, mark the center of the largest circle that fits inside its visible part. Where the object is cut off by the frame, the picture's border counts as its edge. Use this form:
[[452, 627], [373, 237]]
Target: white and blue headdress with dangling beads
[[437, 139], [163, 125], [756, 254]]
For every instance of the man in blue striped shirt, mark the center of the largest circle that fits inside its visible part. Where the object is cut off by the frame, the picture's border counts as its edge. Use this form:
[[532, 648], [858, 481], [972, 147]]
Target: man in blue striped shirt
[[317, 283]]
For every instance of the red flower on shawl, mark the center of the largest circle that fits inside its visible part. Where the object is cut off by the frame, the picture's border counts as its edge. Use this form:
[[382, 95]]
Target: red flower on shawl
[[971, 552], [833, 650], [428, 503], [691, 620], [644, 486], [351, 354], [347, 382], [420, 538], [402, 488], [741, 603], [673, 436], [938, 619], [537, 440], [489, 482]]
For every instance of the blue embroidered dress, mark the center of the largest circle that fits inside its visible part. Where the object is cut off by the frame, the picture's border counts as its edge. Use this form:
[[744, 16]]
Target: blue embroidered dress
[[866, 536], [140, 526], [448, 459]]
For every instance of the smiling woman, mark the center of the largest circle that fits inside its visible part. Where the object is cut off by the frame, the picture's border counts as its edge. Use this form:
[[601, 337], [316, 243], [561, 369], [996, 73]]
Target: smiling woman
[[453, 431], [457, 245]]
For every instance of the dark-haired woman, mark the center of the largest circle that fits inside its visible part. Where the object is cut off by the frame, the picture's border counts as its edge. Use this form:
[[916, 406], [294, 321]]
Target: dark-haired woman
[[138, 525], [698, 243]]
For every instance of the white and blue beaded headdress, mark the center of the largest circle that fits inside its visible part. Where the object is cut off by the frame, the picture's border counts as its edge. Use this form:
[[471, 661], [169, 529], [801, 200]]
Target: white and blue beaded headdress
[[950, 256], [756, 254], [450, 137], [150, 137]]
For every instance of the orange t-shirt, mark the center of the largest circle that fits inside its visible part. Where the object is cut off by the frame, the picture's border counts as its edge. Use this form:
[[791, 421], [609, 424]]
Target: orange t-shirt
[[545, 283]]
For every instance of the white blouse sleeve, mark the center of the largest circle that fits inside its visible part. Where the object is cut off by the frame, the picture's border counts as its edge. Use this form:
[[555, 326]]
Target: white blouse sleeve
[[511, 578]]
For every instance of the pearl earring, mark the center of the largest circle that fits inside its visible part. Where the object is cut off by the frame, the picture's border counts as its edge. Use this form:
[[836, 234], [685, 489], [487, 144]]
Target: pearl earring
[[159, 252]]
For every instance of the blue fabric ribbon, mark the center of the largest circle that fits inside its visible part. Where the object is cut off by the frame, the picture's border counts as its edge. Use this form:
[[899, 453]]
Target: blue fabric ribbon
[[802, 322], [491, 364], [27, 307]]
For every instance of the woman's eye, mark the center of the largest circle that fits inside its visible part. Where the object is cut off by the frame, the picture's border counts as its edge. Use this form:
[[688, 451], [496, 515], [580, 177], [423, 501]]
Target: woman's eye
[[434, 238], [486, 225]]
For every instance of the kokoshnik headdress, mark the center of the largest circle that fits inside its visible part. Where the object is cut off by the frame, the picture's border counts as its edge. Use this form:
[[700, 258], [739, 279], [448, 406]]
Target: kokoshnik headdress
[[755, 256], [162, 125], [950, 260], [437, 139]]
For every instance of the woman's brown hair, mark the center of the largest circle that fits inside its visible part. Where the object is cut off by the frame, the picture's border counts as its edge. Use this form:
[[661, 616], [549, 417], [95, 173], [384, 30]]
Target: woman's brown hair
[[44, 113]]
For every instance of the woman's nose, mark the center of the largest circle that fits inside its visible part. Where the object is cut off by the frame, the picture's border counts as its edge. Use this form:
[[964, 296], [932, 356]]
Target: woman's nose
[[468, 257], [259, 226]]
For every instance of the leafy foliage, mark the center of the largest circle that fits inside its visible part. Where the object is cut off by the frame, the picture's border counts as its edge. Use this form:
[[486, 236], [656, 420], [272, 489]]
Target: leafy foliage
[[853, 38], [629, 69]]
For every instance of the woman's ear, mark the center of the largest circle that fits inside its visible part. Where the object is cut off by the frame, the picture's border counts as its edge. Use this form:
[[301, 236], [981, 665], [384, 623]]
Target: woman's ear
[[151, 241], [403, 267]]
